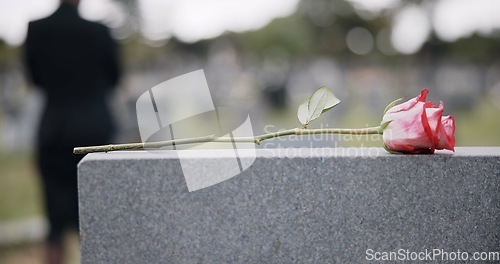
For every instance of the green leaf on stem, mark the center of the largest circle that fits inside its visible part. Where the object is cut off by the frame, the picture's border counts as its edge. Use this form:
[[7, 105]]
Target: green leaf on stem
[[317, 103], [331, 101], [384, 125], [320, 101], [393, 103], [303, 112]]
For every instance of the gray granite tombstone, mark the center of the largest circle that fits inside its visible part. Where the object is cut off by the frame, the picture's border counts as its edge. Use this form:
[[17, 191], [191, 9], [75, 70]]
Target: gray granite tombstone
[[290, 206]]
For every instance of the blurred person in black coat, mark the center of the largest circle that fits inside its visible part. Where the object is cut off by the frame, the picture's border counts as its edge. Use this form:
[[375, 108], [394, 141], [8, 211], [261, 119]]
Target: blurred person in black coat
[[75, 63]]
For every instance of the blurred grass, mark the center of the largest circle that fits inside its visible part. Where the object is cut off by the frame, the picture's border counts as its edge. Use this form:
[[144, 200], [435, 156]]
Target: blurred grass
[[20, 193], [34, 253], [479, 127], [22, 254], [20, 198]]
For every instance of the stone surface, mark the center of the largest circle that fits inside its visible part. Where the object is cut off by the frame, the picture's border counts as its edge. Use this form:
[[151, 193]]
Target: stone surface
[[290, 206]]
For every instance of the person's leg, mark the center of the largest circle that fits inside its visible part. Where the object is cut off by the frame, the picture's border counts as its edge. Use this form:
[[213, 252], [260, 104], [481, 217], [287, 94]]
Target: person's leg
[[55, 253], [60, 193], [72, 220], [54, 240]]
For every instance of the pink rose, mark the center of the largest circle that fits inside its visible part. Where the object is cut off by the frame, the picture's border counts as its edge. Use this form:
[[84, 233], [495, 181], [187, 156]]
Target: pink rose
[[418, 126]]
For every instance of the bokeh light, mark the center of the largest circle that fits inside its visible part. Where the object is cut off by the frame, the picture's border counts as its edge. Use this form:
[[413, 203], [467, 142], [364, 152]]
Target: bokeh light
[[359, 40], [454, 19], [190, 20], [15, 15], [411, 29]]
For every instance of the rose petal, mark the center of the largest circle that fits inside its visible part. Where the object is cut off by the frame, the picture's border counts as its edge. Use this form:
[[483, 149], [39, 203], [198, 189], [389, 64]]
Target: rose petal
[[407, 132], [434, 119], [426, 126], [418, 126], [447, 133], [410, 103]]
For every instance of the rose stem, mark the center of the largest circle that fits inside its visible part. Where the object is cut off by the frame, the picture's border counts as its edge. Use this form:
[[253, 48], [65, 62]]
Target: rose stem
[[257, 139]]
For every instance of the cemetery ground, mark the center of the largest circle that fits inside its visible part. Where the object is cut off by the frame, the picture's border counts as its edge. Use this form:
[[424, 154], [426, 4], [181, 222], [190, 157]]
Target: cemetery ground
[[20, 194]]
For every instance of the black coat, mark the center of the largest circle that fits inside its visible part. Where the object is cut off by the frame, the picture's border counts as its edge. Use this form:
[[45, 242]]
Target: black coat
[[75, 63]]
